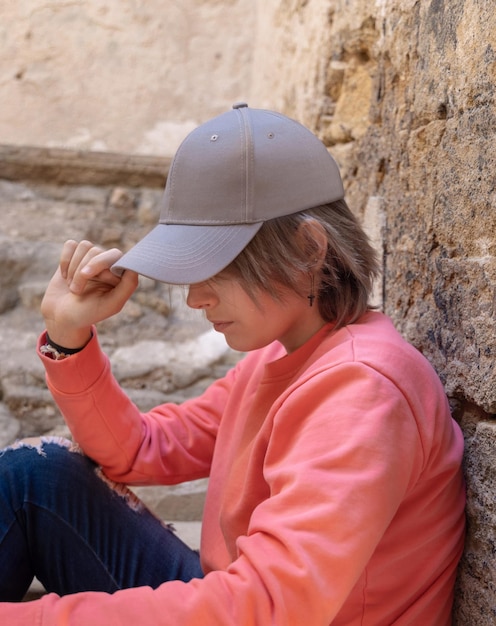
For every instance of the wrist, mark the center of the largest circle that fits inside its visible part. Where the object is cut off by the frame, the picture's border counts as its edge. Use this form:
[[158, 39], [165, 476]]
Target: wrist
[[57, 352], [65, 350], [68, 340]]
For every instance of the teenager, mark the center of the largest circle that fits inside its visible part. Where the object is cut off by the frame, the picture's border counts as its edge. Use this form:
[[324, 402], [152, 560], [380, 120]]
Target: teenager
[[335, 491]]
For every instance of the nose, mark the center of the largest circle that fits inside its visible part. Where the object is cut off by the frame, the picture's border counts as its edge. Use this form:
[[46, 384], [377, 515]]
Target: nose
[[200, 296]]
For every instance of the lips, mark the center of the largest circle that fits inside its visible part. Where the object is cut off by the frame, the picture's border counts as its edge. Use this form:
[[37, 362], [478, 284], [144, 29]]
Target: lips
[[221, 326]]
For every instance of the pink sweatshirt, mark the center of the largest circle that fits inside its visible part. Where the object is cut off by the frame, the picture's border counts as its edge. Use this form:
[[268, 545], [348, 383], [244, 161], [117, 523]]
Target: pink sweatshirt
[[335, 492]]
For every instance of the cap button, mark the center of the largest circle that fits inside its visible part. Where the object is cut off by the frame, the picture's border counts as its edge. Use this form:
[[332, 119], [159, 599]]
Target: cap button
[[239, 105]]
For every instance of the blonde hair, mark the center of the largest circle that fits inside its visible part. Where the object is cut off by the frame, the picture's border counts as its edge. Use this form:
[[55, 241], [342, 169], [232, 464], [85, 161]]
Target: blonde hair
[[276, 256]]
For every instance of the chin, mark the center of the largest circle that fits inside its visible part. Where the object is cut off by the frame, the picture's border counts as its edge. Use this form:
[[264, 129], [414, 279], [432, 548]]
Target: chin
[[245, 345]]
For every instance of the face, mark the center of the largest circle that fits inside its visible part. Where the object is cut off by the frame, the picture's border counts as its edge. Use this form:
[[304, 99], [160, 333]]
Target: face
[[248, 324]]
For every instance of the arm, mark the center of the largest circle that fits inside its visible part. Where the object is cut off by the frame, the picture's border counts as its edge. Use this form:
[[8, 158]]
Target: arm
[[336, 483], [167, 445], [130, 446]]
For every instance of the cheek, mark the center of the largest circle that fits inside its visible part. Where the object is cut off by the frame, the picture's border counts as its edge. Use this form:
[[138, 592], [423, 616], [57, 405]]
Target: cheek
[[256, 331]]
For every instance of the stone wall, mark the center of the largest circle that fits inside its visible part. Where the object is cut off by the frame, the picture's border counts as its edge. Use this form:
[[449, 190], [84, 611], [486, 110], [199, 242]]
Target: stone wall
[[402, 91]]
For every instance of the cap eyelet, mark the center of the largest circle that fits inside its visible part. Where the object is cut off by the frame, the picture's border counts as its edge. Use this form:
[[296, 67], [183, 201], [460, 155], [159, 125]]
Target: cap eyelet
[[214, 137], [270, 135]]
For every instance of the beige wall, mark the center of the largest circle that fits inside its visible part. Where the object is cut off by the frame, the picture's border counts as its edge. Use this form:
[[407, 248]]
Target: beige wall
[[121, 75]]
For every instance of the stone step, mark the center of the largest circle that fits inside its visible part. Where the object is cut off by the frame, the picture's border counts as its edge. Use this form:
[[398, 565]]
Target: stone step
[[189, 532], [183, 502]]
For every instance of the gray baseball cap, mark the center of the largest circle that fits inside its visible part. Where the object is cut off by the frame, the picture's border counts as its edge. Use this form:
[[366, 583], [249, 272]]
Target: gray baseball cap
[[228, 177]]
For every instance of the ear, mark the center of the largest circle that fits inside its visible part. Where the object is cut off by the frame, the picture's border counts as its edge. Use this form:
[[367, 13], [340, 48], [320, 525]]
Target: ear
[[313, 241]]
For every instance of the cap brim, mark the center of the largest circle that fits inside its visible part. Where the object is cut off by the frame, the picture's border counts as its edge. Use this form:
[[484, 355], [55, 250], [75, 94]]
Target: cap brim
[[184, 254]]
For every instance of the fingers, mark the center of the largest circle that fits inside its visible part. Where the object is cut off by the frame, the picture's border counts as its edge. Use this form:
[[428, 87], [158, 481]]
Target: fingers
[[66, 256], [80, 262], [125, 289]]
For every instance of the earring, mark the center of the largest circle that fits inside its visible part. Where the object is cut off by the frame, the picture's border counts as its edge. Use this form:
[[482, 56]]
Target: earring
[[311, 296]]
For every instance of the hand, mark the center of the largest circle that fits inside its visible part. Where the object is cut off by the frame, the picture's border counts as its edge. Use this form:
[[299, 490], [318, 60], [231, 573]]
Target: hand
[[83, 291]]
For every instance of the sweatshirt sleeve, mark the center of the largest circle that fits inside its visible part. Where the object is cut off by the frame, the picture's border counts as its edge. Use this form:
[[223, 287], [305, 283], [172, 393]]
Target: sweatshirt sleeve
[[167, 445]]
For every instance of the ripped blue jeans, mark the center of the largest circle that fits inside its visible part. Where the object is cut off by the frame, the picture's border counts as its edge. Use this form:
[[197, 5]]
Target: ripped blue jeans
[[62, 522]]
